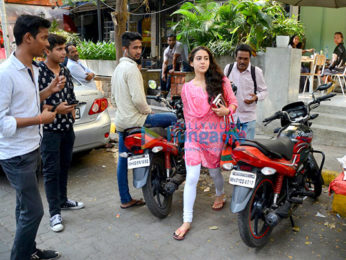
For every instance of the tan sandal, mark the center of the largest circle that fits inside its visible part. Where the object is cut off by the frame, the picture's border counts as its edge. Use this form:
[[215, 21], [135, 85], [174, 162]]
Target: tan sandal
[[219, 205]]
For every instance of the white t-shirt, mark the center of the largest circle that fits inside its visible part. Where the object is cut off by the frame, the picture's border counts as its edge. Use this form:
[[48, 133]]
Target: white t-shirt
[[177, 49]]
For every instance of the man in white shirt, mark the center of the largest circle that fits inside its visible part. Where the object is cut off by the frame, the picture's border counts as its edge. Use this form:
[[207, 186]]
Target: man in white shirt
[[250, 89], [79, 71], [21, 133], [132, 107], [174, 57]]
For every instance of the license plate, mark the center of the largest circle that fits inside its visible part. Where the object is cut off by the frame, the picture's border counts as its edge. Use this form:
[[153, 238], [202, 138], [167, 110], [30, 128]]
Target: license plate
[[138, 161], [242, 178], [77, 113]]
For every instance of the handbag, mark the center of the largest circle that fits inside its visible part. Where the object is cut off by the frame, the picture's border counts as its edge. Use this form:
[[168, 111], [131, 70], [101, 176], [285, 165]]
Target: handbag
[[231, 135]]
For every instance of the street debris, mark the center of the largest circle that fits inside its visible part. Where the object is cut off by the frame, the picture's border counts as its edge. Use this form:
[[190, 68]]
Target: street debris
[[214, 228], [296, 229], [206, 189], [104, 166], [330, 225], [320, 215]]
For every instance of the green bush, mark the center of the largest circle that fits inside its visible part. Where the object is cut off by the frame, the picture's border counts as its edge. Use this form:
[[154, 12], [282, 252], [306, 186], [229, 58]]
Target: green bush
[[222, 27], [89, 50]]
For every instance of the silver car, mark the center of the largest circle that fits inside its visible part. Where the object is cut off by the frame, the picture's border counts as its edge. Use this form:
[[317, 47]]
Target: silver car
[[92, 123]]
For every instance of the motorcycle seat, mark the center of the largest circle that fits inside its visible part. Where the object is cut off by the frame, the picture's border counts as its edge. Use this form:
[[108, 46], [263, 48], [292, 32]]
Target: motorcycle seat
[[133, 130], [137, 130], [277, 148]]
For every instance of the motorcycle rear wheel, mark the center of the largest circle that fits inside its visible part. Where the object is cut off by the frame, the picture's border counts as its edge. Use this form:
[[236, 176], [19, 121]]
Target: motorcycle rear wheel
[[251, 221], [157, 200], [317, 186]]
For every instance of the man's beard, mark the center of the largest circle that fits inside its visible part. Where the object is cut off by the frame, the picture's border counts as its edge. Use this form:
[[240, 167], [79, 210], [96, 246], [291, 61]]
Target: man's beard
[[133, 58]]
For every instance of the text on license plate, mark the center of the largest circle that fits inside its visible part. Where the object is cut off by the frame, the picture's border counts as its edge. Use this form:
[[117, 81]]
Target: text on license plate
[[77, 113], [138, 161], [242, 178]]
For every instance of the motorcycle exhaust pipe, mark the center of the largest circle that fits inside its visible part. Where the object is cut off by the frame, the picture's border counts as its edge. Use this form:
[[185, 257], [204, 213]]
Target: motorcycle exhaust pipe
[[174, 183], [273, 218]]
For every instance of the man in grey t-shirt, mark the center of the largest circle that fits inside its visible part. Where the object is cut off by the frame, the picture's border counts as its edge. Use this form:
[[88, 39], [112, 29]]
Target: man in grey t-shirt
[[174, 57]]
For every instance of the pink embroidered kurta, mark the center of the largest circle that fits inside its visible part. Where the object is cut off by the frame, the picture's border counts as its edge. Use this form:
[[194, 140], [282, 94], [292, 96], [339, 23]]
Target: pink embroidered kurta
[[204, 129]]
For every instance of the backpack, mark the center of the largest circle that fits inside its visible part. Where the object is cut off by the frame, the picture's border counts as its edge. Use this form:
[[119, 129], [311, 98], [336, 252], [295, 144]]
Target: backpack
[[253, 75]]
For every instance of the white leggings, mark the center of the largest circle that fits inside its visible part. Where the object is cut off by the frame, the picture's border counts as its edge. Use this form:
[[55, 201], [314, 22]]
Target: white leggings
[[190, 189]]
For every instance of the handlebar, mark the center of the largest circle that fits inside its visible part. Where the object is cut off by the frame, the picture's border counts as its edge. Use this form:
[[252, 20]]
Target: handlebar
[[319, 99], [156, 98], [277, 115]]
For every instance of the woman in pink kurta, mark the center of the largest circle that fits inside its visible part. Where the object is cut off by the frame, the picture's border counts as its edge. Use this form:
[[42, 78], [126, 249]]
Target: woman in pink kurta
[[204, 129]]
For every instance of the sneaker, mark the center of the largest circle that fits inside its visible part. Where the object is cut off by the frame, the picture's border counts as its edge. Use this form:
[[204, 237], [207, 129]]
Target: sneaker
[[55, 223], [71, 204], [45, 254]]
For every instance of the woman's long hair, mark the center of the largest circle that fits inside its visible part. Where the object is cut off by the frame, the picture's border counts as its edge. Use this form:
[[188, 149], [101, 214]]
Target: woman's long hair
[[299, 45], [213, 76]]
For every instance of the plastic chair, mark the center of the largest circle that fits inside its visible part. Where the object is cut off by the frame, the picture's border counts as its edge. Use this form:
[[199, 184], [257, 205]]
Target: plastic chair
[[341, 76], [317, 71]]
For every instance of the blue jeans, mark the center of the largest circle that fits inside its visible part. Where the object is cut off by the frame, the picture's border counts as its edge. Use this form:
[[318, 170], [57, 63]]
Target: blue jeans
[[56, 152], [153, 120], [160, 120], [248, 127], [21, 173], [166, 84]]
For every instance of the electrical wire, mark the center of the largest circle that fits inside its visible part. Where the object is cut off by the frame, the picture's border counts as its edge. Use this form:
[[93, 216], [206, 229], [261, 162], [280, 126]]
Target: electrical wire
[[164, 10], [161, 11]]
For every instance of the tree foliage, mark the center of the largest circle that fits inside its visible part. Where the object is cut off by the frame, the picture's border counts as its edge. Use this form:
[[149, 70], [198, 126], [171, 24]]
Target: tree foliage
[[222, 27]]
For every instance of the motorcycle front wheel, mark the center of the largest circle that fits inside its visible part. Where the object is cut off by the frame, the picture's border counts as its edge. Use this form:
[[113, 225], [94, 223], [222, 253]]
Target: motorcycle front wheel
[[253, 229], [156, 199]]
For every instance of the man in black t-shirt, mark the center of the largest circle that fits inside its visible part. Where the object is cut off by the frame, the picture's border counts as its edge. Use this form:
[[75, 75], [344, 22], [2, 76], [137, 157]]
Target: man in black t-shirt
[[337, 64], [58, 136]]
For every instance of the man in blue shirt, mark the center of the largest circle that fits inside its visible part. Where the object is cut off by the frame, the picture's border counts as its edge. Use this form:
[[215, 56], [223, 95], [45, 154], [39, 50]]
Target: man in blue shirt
[[79, 71], [21, 133]]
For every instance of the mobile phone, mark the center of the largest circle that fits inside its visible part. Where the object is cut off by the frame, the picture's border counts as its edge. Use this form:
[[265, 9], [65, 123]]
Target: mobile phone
[[218, 101], [73, 102], [54, 107]]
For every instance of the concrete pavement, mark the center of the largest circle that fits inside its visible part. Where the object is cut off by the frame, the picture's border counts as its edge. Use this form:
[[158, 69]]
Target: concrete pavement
[[104, 231]]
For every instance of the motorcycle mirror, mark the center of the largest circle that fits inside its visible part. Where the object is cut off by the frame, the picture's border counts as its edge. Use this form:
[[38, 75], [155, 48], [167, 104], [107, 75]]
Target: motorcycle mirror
[[152, 84], [324, 86]]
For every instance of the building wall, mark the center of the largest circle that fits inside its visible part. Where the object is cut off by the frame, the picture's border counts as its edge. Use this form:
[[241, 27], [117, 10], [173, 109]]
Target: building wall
[[36, 2], [320, 25]]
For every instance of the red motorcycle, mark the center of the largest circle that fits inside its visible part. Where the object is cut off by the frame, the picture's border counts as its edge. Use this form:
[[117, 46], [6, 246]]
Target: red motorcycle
[[157, 159], [272, 177]]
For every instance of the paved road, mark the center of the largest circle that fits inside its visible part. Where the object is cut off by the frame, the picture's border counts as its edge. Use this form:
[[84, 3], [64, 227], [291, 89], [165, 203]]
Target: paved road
[[103, 231]]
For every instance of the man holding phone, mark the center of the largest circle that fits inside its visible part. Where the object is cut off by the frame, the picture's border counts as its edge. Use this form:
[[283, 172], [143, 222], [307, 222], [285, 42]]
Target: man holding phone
[[58, 136], [20, 131]]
